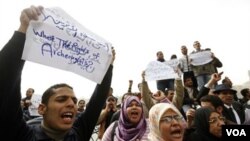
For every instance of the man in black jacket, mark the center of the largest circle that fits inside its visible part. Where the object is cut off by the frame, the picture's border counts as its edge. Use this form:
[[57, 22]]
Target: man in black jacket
[[58, 107], [232, 110]]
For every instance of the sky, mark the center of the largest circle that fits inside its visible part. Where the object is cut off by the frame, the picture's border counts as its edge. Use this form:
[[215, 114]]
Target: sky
[[138, 29]]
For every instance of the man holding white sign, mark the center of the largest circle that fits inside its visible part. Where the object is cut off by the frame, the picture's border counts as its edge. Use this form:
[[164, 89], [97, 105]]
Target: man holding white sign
[[162, 72], [202, 64], [58, 103]]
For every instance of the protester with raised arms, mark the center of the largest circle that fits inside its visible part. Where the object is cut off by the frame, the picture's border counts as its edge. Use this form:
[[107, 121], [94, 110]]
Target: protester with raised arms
[[59, 103]]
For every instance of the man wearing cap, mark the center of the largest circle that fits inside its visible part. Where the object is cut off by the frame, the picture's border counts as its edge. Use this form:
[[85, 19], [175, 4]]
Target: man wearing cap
[[232, 110]]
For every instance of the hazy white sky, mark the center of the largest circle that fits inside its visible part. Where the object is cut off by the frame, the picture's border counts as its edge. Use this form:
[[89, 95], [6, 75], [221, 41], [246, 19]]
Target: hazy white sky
[[138, 29]]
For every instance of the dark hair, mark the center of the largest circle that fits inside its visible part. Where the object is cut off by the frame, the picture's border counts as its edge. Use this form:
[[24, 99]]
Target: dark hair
[[244, 92], [208, 49], [227, 81], [130, 94], [126, 94], [173, 56], [223, 81], [33, 90], [112, 97], [80, 101], [158, 52], [187, 77], [50, 91], [167, 90], [214, 100], [183, 46]]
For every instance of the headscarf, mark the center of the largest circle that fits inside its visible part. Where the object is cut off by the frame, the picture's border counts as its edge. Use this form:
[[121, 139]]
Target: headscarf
[[201, 123], [165, 100], [126, 130], [155, 114]]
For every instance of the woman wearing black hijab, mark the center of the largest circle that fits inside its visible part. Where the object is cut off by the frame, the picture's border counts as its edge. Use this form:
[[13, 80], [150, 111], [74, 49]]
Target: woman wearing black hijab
[[208, 125]]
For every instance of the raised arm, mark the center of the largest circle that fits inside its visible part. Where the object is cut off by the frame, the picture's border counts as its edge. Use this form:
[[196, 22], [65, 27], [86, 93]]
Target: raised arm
[[179, 94], [11, 66], [145, 92], [215, 77], [87, 121]]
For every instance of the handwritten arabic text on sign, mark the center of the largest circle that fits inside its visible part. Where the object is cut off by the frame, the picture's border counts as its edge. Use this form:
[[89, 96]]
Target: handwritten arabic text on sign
[[57, 40]]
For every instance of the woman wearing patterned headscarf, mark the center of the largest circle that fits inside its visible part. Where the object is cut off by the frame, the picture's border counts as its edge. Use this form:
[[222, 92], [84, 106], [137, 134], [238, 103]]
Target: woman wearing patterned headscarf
[[131, 126], [166, 123]]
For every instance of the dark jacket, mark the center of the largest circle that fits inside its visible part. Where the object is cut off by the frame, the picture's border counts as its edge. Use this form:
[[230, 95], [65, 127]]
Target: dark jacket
[[238, 108], [203, 91], [187, 100], [13, 127]]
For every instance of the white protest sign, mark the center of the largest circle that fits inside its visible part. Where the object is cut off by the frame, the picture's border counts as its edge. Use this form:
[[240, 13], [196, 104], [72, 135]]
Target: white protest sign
[[35, 101], [158, 71], [173, 63], [57, 40], [201, 58]]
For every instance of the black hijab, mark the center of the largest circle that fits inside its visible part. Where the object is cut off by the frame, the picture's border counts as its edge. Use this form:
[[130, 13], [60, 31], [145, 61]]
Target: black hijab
[[202, 125]]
